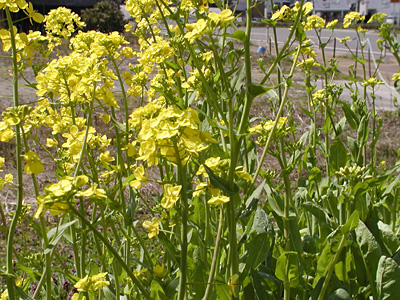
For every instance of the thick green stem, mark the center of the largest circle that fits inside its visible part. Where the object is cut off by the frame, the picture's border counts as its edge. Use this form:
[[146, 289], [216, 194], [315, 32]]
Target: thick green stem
[[215, 256], [10, 239], [184, 230]]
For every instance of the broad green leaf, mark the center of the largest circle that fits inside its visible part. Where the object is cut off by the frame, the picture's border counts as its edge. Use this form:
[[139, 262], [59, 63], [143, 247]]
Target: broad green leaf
[[222, 290], [252, 201], [324, 261], [239, 35], [287, 268], [220, 183], [238, 80], [294, 231], [388, 238], [274, 200], [350, 115], [261, 222], [353, 147], [337, 156], [261, 287], [317, 211], [351, 223], [388, 279], [257, 250], [369, 248], [344, 266], [108, 294]]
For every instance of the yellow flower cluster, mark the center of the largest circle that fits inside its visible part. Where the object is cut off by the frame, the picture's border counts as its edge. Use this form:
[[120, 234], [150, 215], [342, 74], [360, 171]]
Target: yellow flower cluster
[[171, 133], [92, 283], [59, 196], [98, 44], [288, 14], [76, 78], [61, 22], [372, 82], [26, 44], [314, 22], [264, 128], [351, 17], [13, 5]]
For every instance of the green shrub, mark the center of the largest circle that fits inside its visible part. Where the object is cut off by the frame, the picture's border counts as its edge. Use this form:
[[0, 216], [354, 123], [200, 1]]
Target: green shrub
[[105, 16]]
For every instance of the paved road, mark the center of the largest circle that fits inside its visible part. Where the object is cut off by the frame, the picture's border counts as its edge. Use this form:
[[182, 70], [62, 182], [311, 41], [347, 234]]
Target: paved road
[[259, 36]]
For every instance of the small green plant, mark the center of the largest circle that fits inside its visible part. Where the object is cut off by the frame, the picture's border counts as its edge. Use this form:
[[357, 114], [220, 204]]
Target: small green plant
[[105, 16]]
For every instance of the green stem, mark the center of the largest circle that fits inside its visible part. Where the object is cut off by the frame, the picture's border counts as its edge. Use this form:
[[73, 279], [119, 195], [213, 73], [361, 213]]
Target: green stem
[[115, 254], [184, 229], [215, 256], [331, 268], [10, 239]]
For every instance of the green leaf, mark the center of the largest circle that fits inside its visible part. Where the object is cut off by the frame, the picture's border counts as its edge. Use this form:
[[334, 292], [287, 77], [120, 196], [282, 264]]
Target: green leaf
[[337, 156], [369, 248], [261, 222], [60, 232], [257, 251], [130, 212], [257, 90], [252, 201], [239, 35], [274, 200], [220, 183], [108, 294], [157, 292], [350, 115], [222, 290], [353, 147], [344, 266], [388, 238], [32, 273], [238, 80], [318, 211], [22, 294], [323, 263], [287, 268], [351, 223], [388, 279], [362, 132], [261, 287]]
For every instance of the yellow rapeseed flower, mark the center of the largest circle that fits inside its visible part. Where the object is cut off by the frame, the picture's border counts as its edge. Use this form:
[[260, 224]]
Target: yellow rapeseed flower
[[222, 18], [351, 17], [152, 226], [171, 195], [217, 200], [13, 5], [93, 283], [33, 164]]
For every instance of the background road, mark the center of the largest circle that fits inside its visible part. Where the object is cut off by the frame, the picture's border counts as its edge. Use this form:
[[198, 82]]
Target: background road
[[259, 37]]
